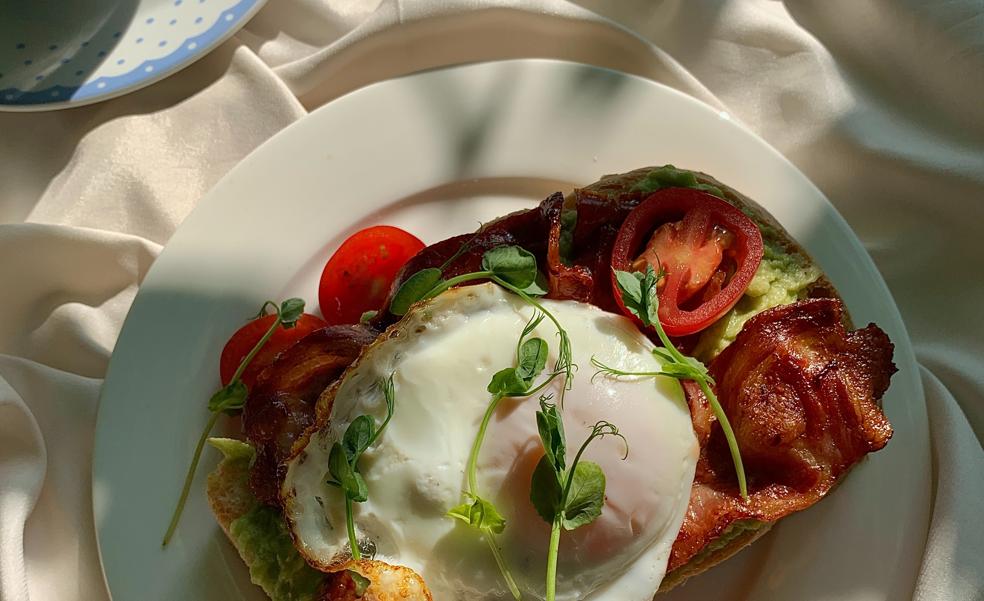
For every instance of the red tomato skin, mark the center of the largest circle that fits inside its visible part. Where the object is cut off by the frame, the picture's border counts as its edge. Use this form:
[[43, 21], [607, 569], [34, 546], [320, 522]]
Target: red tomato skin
[[246, 337], [672, 204], [357, 278]]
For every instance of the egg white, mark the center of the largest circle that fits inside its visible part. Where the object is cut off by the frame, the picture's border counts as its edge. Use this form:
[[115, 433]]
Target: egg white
[[442, 356]]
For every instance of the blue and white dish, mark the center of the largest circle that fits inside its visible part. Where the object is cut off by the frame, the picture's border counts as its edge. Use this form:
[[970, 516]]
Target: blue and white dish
[[56, 54]]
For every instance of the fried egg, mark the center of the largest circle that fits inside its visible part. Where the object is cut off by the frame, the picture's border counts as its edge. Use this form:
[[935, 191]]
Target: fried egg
[[442, 356]]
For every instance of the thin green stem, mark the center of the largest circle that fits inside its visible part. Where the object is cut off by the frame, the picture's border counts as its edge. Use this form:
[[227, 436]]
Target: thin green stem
[[606, 369], [729, 435], [189, 477], [266, 336], [564, 354], [477, 445], [552, 557], [716, 407], [542, 385], [350, 524], [669, 346], [501, 562], [461, 250], [570, 472]]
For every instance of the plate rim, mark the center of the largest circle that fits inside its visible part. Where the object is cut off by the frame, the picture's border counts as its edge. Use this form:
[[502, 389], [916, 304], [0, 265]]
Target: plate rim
[[903, 344]]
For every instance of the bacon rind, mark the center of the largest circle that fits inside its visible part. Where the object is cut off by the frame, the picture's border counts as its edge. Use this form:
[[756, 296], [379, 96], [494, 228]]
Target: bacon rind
[[281, 405], [802, 395]]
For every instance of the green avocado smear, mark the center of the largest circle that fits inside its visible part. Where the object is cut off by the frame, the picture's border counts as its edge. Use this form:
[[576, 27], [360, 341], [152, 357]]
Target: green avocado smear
[[274, 564], [782, 278], [261, 537]]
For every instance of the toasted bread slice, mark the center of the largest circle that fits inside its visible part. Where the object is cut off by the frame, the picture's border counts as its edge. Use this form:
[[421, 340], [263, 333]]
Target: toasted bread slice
[[230, 497]]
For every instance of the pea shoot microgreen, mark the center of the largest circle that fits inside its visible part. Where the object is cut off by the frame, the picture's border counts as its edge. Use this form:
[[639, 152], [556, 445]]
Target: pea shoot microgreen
[[566, 497], [230, 398], [343, 460], [638, 291], [518, 381], [512, 267], [420, 283]]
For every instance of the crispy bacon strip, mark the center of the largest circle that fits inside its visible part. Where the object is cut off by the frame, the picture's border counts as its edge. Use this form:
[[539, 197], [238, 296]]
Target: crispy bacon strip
[[802, 396], [566, 281], [463, 254], [281, 405]]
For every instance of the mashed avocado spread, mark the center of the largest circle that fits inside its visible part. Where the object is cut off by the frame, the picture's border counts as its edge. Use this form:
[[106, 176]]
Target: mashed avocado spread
[[782, 277], [274, 563], [261, 536]]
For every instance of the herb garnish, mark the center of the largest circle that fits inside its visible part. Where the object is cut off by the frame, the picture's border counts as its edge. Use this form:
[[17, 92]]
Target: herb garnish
[[566, 498], [480, 513], [513, 268], [639, 297], [230, 398], [343, 460]]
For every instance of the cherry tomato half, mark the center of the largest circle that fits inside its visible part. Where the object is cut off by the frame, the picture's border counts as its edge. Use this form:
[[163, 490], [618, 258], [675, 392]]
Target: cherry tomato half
[[246, 337], [358, 276], [709, 250]]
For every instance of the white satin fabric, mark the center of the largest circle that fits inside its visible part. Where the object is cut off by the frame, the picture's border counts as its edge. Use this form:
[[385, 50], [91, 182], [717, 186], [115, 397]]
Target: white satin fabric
[[879, 102]]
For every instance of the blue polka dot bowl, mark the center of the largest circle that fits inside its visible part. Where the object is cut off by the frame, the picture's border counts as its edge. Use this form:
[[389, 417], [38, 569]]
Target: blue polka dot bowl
[[57, 54]]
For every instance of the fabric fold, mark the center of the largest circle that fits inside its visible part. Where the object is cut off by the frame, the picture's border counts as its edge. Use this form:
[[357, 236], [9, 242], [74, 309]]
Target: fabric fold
[[876, 102]]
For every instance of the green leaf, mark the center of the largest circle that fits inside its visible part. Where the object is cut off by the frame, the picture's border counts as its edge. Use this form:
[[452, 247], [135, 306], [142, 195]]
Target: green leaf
[[512, 264], [389, 395], [358, 436], [338, 464], [413, 289], [631, 287], [290, 311], [506, 382], [361, 582], [367, 316], [350, 481], [461, 512], [649, 294], [479, 513], [229, 398], [360, 492], [545, 490], [551, 429], [532, 360], [540, 285], [638, 292], [586, 496]]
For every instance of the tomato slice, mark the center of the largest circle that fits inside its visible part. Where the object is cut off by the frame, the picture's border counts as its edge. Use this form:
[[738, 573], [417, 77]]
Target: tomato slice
[[246, 337], [358, 276], [708, 249]]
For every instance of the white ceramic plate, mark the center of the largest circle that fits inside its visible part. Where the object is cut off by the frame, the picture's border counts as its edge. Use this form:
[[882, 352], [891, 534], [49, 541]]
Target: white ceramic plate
[[436, 153], [57, 54]]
